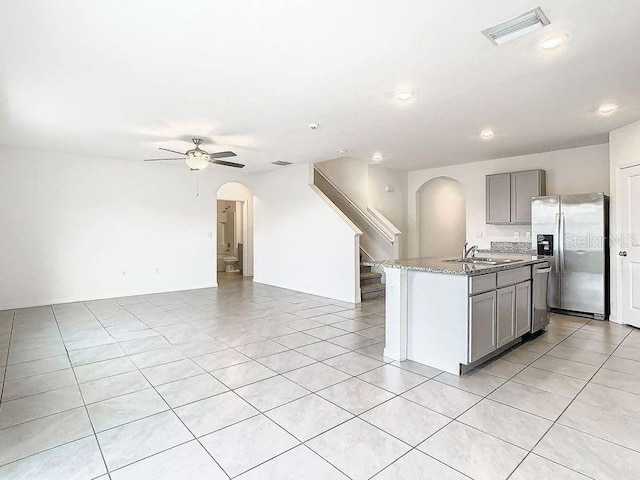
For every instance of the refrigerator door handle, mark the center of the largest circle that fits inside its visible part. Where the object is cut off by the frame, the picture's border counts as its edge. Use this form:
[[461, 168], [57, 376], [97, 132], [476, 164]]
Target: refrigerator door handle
[[556, 247], [562, 225]]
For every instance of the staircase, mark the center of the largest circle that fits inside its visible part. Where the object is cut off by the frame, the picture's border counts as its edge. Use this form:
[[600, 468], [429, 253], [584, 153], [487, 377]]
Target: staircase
[[370, 284], [378, 238]]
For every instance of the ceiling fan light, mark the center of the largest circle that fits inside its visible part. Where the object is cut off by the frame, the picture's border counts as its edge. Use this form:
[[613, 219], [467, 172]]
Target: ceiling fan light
[[196, 162]]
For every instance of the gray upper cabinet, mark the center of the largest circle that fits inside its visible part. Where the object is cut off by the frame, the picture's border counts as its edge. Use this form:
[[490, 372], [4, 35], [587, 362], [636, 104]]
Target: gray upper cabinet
[[509, 196], [499, 198]]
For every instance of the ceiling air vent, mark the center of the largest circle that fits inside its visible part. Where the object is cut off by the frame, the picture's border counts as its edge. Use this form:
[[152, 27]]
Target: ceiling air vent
[[280, 163], [516, 27]]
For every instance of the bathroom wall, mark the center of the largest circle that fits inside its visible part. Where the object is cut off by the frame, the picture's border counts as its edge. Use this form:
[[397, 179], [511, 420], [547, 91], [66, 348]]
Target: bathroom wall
[[241, 194], [227, 244]]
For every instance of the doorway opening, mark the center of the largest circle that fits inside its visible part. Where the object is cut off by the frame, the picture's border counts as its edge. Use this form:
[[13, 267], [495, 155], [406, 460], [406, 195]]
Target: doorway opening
[[442, 217], [234, 233]]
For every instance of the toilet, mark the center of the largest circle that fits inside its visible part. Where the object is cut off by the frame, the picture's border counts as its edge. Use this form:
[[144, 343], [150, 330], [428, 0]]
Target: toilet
[[230, 263]]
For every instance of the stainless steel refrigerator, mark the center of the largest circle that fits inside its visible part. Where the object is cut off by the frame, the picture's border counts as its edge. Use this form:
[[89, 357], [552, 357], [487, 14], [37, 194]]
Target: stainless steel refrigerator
[[573, 231]]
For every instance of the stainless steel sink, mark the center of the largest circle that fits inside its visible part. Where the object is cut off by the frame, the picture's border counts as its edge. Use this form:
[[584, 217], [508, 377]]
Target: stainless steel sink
[[484, 260]]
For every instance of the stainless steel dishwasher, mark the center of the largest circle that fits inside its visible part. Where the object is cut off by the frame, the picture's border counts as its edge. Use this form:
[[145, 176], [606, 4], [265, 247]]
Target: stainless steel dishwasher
[[539, 304]]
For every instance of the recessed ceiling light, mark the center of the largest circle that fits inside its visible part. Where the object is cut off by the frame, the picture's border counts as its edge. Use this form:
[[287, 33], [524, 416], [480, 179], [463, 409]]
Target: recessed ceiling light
[[377, 157], [553, 42], [404, 95], [342, 151], [486, 134], [608, 108]]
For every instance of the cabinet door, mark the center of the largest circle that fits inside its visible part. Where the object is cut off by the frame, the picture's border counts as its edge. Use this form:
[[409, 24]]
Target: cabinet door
[[523, 308], [505, 315], [482, 325], [499, 198], [525, 185]]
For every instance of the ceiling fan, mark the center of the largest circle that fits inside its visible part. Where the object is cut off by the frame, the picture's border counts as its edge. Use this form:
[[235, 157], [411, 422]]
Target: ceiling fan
[[198, 159]]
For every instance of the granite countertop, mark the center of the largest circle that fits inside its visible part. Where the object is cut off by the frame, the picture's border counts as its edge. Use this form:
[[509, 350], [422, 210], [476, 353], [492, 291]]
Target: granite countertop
[[440, 265]]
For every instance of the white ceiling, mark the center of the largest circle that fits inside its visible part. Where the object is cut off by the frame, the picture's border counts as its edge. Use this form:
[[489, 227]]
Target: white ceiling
[[123, 77]]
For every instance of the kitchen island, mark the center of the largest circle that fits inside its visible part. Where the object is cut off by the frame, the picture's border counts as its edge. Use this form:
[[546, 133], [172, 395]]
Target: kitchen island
[[453, 315]]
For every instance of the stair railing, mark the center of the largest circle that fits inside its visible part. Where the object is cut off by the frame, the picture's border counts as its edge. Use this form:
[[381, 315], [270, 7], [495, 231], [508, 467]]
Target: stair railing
[[371, 222]]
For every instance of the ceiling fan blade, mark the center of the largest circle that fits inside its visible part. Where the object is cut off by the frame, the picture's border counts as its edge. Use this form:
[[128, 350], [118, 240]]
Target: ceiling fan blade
[[172, 151], [161, 159], [222, 155], [227, 164]]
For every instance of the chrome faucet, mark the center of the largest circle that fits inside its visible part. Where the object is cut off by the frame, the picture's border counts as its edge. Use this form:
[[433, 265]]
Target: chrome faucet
[[469, 251]]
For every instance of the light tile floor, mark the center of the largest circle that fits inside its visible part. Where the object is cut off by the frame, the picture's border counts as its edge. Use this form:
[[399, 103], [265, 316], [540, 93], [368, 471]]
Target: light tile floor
[[254, 382]]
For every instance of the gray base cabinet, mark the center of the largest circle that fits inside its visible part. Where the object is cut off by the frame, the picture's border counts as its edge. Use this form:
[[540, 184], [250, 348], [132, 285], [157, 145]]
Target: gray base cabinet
[[482, 324], [523, 308], [501, 313], [505, 317]]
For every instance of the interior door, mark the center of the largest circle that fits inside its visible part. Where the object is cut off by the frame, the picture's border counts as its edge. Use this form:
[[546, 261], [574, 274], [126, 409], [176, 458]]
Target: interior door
[[629, 244], [582, 258]]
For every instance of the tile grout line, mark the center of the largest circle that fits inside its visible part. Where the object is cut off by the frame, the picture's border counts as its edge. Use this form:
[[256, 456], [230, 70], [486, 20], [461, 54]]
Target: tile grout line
[[486, 397], [316, 361], [169, 409], [95, 436], [309, 394], [4, 375], [174, 413], [264, 413], [566, 408]]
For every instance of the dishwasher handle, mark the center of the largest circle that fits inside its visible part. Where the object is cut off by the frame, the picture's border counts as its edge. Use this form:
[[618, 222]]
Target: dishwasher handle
[[543, 270]]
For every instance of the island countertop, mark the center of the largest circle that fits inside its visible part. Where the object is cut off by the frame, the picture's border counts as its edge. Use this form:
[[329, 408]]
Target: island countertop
[[441, 265]]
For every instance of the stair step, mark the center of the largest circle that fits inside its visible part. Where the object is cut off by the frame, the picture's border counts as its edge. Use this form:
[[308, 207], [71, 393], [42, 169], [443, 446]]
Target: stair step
[[368, 292], [369, 275], [364, 269], [370, 278]]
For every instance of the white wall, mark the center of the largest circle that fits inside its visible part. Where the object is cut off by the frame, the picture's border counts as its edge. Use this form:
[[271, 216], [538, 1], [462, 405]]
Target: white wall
[[365, 185], [241, 193], [71, 225], [350, 175], [301, 242], [392, 204], [577, 170], [441, 218], [624, 148]]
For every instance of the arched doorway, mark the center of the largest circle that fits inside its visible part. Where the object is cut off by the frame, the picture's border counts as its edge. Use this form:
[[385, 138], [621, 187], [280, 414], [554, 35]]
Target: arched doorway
[[442, 217], [234, 234]]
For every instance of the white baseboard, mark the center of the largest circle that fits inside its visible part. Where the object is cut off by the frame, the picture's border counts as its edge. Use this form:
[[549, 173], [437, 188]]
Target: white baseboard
[[73, 299]]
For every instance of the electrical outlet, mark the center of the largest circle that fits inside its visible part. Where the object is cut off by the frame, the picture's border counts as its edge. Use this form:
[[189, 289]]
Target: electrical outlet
[[210, 234], [478, 234], [157, 270], [124, 273], [516, 235], [528, 234]]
